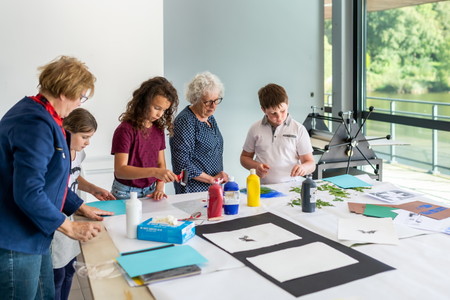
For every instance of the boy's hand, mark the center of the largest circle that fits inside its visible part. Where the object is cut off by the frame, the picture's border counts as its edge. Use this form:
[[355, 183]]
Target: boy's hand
[[262, 170], [299, 170]]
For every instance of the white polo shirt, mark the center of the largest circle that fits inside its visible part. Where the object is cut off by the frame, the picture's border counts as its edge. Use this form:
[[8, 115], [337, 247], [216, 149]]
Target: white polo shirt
[[280, 149]]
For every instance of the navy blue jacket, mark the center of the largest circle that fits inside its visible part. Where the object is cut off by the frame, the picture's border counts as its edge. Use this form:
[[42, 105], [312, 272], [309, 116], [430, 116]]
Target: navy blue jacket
[[34, 170]]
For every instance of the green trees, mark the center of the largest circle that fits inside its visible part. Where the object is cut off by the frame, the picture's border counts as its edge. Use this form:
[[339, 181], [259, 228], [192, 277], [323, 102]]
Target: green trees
[[408, 49]]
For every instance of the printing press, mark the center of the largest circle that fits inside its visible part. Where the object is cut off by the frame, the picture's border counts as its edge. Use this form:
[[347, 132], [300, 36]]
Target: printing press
[[343, 151]]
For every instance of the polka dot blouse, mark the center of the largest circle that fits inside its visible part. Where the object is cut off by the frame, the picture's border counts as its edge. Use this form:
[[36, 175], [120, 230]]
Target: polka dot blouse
[[195, 147]]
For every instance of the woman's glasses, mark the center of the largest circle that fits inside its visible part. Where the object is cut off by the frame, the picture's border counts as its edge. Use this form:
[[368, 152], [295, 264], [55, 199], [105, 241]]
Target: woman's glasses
[[83, 98], [210, 102]]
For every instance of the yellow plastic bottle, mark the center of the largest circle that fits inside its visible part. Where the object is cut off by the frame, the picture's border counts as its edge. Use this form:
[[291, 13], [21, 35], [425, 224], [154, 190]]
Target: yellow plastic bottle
[[253, 189]]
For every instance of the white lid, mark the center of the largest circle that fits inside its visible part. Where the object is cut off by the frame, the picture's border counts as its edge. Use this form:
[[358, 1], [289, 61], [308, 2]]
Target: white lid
[[252, 171], [133, 195], [230, 178]]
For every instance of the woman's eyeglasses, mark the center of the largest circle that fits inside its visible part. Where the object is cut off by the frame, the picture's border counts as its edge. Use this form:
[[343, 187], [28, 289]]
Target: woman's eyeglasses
[[86, 95], [83, 98], [210, 102]]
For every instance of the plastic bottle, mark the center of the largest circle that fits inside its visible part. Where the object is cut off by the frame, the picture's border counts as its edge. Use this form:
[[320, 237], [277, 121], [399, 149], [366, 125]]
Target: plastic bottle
[[231, 197], [215, 201], [308, 194], [253, 189], [134, 215]]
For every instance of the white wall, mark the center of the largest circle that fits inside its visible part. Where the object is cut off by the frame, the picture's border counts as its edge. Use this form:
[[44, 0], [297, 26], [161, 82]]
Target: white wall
[[120, 41], [247, 43]]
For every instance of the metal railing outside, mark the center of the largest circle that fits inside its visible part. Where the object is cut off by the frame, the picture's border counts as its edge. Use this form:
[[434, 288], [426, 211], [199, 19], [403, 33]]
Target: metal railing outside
[[434, 115]]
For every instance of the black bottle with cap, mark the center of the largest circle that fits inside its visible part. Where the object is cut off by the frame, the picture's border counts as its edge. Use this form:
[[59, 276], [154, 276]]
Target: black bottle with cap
[[308, 194]]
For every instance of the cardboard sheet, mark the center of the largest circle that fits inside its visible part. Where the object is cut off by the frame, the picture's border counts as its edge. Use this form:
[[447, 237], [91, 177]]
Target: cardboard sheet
[[423, 208]]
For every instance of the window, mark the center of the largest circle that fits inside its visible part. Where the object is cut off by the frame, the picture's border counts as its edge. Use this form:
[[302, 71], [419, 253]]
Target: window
[[407, 80]]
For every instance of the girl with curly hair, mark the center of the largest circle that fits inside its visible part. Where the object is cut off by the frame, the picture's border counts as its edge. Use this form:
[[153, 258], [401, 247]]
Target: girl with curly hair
[[138, 142]]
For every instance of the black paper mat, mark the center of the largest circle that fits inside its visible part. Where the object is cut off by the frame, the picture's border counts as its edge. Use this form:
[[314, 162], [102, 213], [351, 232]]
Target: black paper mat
[[365, 267]]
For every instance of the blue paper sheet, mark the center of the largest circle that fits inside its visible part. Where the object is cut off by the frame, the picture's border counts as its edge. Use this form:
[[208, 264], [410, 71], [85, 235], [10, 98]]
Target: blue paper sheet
[[160, 260], [116, 206], [266, 192], [347, 181]]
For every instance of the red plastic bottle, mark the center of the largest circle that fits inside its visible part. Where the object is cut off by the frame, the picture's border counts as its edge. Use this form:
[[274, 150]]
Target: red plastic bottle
[[215, 201]]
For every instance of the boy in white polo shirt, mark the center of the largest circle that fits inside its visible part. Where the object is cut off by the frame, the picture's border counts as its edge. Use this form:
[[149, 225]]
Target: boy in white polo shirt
[[278, 147]]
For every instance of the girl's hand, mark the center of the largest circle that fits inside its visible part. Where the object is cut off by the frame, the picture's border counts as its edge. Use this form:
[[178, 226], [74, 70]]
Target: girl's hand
[[166, 175], [102, 194], [157, 195]]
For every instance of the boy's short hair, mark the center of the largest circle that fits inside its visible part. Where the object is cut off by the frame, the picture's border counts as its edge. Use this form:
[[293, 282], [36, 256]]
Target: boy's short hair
[[272, 95]]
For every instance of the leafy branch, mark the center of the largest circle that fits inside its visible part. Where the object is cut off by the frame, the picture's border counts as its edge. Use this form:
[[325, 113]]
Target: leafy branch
[[361, 189], [338, 193], [298, 201], [319, 203]]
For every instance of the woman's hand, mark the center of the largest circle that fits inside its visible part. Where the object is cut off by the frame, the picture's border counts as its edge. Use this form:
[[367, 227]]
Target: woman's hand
[[80, 231], [221, 176], [92, 213]]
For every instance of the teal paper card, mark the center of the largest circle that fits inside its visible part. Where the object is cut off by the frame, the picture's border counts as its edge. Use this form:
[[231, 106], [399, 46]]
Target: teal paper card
[[160, 260], [347, 181], [116, 206], [379, 211]]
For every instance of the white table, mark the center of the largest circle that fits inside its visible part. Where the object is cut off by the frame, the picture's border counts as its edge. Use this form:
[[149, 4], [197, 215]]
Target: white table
[[421, 262]]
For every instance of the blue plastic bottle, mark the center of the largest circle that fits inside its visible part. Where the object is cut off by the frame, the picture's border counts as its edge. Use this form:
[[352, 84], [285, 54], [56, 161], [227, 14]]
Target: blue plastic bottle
[[231, 197]]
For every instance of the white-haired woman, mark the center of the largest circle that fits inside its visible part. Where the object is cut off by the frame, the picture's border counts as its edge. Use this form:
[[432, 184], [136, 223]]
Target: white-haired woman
[[197, 144]]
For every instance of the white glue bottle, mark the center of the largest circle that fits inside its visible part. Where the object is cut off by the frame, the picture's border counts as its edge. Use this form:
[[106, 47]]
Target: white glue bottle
[[134, 215]]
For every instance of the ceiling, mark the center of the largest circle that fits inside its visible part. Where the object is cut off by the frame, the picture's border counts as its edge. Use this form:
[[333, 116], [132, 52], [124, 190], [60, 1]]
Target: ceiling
[[377, 5]]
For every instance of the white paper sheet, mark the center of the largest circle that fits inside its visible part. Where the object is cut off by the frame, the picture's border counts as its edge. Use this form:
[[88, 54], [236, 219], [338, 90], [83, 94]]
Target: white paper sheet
[[239, 283], [250, 238], [393, 196], [368, 230], [421, 222], [301, 261]]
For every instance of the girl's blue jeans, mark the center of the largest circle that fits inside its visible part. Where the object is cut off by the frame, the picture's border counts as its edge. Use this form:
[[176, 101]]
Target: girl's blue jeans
[[122, 191]]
